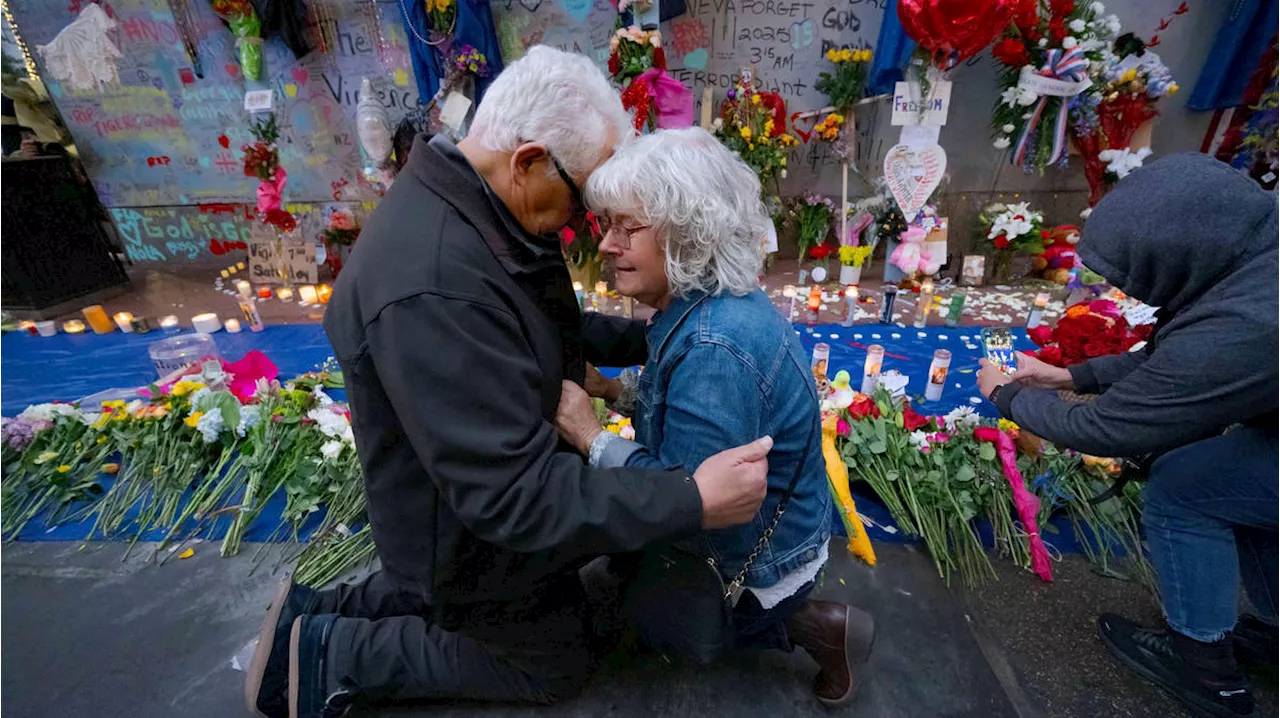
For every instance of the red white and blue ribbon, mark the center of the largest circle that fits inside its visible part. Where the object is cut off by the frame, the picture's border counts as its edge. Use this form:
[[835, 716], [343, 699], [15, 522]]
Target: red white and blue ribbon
[[1062, 75]]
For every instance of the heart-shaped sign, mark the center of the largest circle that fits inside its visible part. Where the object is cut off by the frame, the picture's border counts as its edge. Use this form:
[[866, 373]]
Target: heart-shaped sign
[[913, 174]]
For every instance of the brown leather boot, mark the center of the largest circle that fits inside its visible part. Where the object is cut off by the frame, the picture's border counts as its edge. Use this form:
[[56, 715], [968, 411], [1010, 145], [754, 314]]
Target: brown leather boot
[[839, 638]]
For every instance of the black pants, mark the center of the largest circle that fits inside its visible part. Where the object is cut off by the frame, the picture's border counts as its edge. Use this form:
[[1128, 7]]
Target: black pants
[[387, 646]]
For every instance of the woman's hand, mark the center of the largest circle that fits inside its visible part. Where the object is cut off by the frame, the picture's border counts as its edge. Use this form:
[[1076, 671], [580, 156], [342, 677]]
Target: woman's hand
[[600, 387], [990, 376], [1038, 375], [576, 418]]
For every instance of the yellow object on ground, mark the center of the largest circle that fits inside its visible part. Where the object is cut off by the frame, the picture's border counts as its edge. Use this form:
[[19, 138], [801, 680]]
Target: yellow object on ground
[[838, 477]]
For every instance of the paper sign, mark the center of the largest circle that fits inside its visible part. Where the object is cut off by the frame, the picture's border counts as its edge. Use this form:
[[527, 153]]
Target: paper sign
[[913, 174], [267, 260], [916, 136], [973, 270], [258, 100], [1141, 314], [771, 239], [455, 109], [1041, 85], [909, 110]]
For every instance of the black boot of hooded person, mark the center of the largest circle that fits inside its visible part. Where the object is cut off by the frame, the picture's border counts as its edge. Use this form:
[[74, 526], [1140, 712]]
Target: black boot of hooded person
[[1203, 676]]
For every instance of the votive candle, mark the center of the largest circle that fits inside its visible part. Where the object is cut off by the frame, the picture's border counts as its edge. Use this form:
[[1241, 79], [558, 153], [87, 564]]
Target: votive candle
[[140, 325], [170, 324], [937, 379], [871, 368], [1037, 310], [124, 320], [73, 326], [225, 274], [98, 319], [244, 288], [239, 265], [851, 305], [232, 326], [29, 326], [284, 294], [264, 292], [323, 292], [207, 323], [925, 304], [307, 293], [47, 328]]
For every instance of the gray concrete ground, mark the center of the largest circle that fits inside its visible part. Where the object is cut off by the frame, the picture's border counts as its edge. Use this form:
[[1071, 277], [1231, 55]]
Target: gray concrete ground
[[86, 634]]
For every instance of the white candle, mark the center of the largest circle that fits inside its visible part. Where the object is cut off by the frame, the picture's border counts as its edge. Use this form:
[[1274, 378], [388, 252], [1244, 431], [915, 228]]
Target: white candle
[[284, 294], [1037, 310], [307, 293], [73, 326], [871, 368], [206, 323], [169, 324], [124, 320], [245, 289], [47, 328], [937, 375], [925, 304], [789, 291], [851, 305], [232, 326]]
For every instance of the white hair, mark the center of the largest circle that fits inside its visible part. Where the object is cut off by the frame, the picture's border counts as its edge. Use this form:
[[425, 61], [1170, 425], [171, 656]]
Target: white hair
[[700, 197], [555, 98]]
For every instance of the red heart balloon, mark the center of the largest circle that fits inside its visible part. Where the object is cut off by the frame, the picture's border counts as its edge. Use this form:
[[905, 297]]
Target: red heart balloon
[[954, 30]]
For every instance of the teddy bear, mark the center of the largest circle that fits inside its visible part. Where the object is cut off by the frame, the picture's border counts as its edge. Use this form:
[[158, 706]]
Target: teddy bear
[[911, 256], [1059, 256]]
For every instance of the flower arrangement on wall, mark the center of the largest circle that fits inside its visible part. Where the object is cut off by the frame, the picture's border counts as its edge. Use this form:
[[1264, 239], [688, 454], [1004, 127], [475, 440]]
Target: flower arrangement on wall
[[245, 25], [753, 124]]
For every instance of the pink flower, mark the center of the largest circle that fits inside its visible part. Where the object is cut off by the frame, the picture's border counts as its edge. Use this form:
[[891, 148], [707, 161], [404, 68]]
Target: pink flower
[[842, 427], [939, 437]]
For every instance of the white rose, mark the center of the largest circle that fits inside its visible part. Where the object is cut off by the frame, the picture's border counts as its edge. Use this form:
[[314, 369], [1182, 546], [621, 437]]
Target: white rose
[[1001, 143], [1068, 42], [783, 174], [1043, 42], [1027, 98], [1009, 96], [331, 449], [1007, 129], [1097, 8], [717, 123], [1076, 25]]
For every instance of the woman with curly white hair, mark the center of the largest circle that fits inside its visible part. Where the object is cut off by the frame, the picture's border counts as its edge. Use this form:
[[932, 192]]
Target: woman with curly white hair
[[684, 226]]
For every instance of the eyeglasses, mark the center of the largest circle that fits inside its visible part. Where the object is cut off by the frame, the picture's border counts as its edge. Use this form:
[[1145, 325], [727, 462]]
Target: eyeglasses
[[623, 239], [579, 207]]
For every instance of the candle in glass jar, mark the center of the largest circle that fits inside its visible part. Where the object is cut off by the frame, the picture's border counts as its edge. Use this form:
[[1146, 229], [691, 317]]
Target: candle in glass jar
[[850, 305], [244, 288], [98, 319], [925, 304], [871, 368], [170, 324], [29, 326], [789, 292], [307, 293], [232, 326], [937, 375], [73, 326], [207, 323], [47, 328], [1037, 310], [602, 288], [284, 294], [323, 292], [886, 309], [578, 293], [264, 292], [140, 325], [124, 320], [814, 305]]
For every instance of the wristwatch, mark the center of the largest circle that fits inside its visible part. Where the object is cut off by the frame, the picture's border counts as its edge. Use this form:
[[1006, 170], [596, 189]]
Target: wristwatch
[[995, 392]]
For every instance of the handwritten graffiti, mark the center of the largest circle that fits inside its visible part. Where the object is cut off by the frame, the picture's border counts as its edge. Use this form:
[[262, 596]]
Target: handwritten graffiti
[[164, 234], [135, 123], [157, 161]]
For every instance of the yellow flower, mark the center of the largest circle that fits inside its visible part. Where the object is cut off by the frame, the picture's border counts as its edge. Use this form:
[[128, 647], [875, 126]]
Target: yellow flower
[[472, 67], [46, 456], [846, 55], [751, 145], [1129, 75], [101, 439], [768, 126], [746, 133], [64, 468], [755, 99], [193, 419], [183, 388], [831, 55], [783, 162], [1173, 87], [110, 468], [864, 55]]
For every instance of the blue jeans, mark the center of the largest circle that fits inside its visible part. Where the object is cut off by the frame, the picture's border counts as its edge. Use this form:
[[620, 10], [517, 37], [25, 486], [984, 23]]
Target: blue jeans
[[1210, 514], [765, 628]]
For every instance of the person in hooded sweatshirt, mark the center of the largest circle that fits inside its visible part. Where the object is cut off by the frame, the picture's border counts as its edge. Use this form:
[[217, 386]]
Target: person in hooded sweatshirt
[[1197, 239]]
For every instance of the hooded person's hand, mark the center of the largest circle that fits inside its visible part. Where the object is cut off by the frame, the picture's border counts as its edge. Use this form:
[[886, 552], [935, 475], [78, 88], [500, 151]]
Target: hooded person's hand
[[1036, 374], [990, 376]]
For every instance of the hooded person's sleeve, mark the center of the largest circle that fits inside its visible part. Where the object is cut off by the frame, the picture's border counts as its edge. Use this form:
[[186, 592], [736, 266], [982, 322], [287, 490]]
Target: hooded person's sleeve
[[466, 387], [613, 341], [1098, 373], [1188, 389]]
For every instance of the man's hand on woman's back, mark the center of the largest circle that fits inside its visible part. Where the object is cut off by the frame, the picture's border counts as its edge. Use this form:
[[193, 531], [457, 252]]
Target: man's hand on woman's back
[[733, 483]]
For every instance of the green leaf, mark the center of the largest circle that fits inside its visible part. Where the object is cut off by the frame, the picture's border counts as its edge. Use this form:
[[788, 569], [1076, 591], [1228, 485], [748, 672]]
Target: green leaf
[[892, 476], [335, 380], [964, 473], [877, 447], [986, 452], [897, 420]]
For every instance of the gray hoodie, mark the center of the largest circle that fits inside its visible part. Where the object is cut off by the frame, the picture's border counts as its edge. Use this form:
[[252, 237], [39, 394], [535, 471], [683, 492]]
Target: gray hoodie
[[1198, 239]]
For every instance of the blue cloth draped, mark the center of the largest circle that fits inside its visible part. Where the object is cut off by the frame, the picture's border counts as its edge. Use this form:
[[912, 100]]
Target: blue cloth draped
[[474, 27], [1243, 38], [892, 52]]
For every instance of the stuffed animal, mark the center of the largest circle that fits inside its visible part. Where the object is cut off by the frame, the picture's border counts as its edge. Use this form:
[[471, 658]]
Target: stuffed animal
[[910, 256], [1059, 256]]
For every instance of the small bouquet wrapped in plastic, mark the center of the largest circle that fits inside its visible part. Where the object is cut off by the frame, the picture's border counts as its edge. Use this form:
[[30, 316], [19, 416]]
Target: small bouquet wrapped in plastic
[[245, 25]]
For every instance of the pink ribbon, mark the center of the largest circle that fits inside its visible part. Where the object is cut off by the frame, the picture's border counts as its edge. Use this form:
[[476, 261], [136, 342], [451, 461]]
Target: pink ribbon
[[1026, 504], [271, 192], [672, 101]]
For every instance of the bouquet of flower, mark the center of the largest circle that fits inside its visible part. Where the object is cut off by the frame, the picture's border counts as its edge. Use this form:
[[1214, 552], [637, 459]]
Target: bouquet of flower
[[632, 51], [1088, 329], [813, 221], [51, 460], [1014, 228], [239, 15], [441, 14], [829, 128], [341, 228], [262, 156], [470, 60], [753, 124], [852, 256], [846, 85]]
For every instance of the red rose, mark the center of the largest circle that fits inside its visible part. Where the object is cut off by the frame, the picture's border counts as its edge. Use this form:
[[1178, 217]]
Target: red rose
[[862, 407], [911, 420], [615, 64], [1025, 16], [659, 59], [1041, 335], [821, 251], [1061, 8], [1103, 345], [1011, 52], [1051, 355], [1057, 30], [1001, 242], [1044, 234], [1142, 332]]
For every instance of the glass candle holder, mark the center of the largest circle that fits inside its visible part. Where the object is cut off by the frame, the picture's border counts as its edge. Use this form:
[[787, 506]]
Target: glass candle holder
[[124, 320], [871, 368], [169, 324], [73, 326], [98, 319]]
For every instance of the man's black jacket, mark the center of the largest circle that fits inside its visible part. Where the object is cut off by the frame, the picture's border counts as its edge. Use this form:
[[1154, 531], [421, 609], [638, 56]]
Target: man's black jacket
[[454, 329]]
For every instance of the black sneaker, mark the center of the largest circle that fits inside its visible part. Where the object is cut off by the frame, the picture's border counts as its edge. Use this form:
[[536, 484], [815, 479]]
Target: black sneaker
[[1256, 643], [267, 679], [311, 694], [1201, 675]]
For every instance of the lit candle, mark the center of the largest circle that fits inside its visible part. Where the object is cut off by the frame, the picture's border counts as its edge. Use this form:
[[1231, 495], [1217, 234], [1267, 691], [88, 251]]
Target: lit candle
[[239, 265], [851, 305], [925, 304], [225, 274], [124, 320], [1037, 310], [29, 326], [46, 328], [937, 375], [602, 288], [140, 325], [73, 326], [264, 292], [232, 269], [789, 292], [284, 294], [232, 326], [323, 292], [814, 304], [170, 324], [307, 293], [245, 289], [871, 368], [206, 323], [98, 319]]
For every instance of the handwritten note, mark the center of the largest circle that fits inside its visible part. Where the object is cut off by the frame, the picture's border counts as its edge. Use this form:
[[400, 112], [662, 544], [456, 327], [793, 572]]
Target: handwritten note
[[913, 174]]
